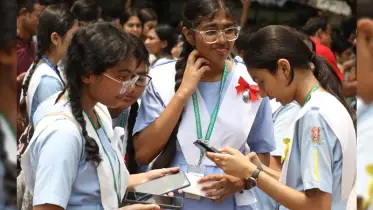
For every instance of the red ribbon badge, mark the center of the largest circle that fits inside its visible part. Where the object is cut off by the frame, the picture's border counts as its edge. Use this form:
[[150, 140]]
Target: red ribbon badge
[[253, 89]]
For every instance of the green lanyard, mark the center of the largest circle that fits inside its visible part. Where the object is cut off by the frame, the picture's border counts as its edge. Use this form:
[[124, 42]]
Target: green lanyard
[[107, 155], [308, 97], [214, 114], [123, 122]]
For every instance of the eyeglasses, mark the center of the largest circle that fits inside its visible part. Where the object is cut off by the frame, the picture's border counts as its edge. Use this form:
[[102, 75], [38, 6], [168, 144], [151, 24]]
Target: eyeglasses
[[211, 36], [139, 80]]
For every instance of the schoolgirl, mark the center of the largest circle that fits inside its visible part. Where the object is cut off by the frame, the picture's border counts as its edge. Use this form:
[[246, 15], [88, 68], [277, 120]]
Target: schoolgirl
[[207, 84], [55, 28], [320, 159], [72, 161]]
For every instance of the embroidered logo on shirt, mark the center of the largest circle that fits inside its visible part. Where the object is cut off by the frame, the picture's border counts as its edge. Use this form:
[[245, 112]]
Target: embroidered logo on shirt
[[316, 135]]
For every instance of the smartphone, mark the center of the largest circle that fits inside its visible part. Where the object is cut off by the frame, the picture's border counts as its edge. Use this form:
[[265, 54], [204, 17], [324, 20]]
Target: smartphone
[[165, 184], [162, 201], [204, 147]]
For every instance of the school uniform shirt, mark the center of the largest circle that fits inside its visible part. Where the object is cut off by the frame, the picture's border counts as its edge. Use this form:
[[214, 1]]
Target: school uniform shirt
[[283, 116], [364, 152], [316, 160], [61, 174], [43, 84], [121, 130], [260, 138], [161, 61]]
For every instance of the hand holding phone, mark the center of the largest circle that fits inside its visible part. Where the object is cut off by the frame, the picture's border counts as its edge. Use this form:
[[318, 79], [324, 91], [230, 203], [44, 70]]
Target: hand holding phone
[[204, 147], [161, 201], [141, 207]]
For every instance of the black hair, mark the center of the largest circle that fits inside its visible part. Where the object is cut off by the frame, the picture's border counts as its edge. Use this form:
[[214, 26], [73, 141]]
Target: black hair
[[166, 33], [314, 24], [86, 10], [141, 54], [340, 45], [148, 14], [364, 9], [55, 18], [194, 12], [29, 4], [241, 42], [111, 9], [93, 49], [275, 42], [128, 13]]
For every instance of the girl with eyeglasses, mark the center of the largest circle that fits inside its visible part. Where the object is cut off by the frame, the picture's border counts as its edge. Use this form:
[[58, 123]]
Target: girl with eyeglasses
[[72, 161], [214, 100], [319, 163]]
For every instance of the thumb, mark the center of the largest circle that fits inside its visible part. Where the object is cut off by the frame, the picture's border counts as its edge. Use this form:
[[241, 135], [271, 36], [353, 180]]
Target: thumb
[[141, 207]]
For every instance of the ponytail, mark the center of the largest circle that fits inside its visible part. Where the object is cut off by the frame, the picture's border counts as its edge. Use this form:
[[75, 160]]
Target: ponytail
[[330, 81], [130, 150], [169, 151]]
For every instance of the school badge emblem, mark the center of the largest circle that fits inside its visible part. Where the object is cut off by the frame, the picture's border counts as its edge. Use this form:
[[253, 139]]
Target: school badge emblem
[[315, 135]]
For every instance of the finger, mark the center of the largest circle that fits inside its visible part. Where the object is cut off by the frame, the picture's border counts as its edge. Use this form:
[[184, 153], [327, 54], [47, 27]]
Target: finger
[[216, 156], [144, 207], [211, 178], [170, 194], [173, 170], [180, 191], [222, 198], [230, 151], [216, 193], [201, 62], [212, 186], [192, 57], [251, 154], [203, 69]]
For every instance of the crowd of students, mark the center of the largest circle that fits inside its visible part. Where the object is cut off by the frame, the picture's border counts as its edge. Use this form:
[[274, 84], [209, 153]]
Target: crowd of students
[[107, 101]]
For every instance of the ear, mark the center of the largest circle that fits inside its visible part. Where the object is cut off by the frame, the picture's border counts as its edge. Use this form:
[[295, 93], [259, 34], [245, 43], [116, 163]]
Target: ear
[[164, 44], [319, 33], [188, 35], [23, 12], [55, 39], [88, 78], [283, 67]]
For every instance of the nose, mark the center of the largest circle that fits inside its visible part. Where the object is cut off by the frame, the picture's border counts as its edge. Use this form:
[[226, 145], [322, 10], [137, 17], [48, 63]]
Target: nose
[[221, 38]]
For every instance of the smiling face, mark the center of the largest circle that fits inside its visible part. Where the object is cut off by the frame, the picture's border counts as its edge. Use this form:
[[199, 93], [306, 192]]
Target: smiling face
[[216, 52]]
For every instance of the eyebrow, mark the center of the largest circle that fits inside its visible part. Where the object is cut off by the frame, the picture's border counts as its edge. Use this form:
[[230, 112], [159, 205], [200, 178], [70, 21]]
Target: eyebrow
[[125, 70], [216, 25]]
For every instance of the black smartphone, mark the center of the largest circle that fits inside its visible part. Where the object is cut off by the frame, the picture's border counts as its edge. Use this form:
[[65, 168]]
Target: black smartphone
[[165, 184], [204, 147], [162, 201]]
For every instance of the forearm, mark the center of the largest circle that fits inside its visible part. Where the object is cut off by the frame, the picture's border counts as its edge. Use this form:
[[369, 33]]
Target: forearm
[[245, 12], [146, 146], [136, 179], [271, 172], [265, 158], [275, 163], [288, 197]]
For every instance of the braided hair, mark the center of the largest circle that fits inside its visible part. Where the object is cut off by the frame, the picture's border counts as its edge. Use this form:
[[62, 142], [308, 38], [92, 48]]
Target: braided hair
[[141, 54], [54, 19], [194, 12], [93, 50]]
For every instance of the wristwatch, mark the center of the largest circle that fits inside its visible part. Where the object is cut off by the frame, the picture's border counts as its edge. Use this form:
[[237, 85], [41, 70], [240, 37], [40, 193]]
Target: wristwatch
[[251, 182]]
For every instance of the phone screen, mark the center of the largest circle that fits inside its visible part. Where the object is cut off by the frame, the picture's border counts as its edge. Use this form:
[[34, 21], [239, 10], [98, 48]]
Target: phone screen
[[165, 184], [162, 201]]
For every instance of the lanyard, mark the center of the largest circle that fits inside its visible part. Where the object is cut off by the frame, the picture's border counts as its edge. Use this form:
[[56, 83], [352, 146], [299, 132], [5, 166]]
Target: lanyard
[[308, 97], [214, 114], [107, 155], [45, 59], [123, 122]]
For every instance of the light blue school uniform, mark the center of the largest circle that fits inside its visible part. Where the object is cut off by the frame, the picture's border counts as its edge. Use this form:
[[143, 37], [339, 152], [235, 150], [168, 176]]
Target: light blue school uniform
[[364, 148], [282, 118], [63, 175], [260, 139], [301, 170]]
